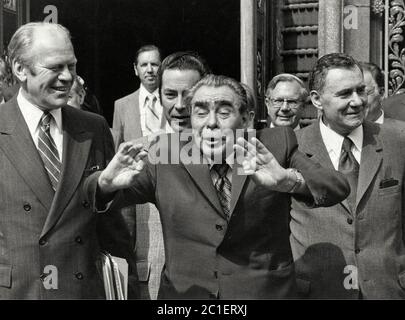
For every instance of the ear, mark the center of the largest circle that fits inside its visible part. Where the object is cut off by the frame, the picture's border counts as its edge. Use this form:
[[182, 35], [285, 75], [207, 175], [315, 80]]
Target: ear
[[316, 100], [20, 71], [267, 103], [136, 71]]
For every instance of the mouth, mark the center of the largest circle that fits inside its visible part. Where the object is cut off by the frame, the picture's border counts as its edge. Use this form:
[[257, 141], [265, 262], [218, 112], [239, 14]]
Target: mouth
[[61, 89], [180, 118]]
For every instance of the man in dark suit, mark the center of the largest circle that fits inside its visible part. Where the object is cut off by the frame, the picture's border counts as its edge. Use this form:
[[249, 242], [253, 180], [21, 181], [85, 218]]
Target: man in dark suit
[[354, 249], [140, 113], [394, 106], [48, 239], [226, 233]]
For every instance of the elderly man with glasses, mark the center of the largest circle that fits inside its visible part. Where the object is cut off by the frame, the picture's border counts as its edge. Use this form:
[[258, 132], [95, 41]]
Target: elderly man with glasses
[[285, 99]]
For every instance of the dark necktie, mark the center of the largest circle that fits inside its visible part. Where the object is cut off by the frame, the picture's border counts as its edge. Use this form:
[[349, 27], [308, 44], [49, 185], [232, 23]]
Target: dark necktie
[[349, 166], [48, 151], [223, 187]]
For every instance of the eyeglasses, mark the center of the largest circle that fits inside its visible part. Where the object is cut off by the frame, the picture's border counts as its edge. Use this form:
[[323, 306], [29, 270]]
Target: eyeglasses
[[278, 103]]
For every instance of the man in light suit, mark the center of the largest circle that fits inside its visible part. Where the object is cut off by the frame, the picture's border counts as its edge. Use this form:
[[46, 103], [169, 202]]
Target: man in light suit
[[48, 240], [226, 233], [354, 249], [140, 113]]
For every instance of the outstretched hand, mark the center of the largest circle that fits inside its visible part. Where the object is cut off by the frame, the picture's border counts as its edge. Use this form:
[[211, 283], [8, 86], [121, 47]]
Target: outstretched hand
[[260, 163], [121, 172]]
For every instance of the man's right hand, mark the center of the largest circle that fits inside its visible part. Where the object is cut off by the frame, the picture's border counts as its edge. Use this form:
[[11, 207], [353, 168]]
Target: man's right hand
[[121, 172]]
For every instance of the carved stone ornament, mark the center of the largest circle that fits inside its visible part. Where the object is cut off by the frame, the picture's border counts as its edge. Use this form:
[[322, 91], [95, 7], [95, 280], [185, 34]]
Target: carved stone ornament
[[396, 56]]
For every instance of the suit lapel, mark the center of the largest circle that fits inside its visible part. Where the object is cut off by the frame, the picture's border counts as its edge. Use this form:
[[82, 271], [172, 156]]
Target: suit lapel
[[312, 144], [202, 178], [371, 158], [16, 142], [76, 146], [134, 116], [238, 181]]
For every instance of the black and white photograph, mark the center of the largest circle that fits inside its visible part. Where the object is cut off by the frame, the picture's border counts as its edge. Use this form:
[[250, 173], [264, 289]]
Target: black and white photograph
[[155, 150]]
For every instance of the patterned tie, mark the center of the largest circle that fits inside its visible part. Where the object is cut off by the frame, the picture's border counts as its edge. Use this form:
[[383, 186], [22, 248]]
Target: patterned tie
[[223, 186], [152, 119], [349, 166], [48, 151]]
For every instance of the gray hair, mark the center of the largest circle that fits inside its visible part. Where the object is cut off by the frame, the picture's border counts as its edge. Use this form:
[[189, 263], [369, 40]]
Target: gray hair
[[216, 81], [287, 77], [22, 41]]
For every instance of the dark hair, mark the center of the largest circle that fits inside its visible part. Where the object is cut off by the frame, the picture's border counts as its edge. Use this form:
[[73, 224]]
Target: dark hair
[[148, 47], [375, 71], [330, 61], [183, 60], [212, 80]]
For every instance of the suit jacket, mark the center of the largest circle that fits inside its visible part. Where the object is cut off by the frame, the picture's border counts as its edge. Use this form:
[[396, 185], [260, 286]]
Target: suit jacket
[[143, 221], [331, 244], [207, 257], [39, 229], [127, 119], [394, 106]]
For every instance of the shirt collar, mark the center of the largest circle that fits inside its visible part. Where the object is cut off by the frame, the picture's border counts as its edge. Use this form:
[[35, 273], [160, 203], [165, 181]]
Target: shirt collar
[[380, 119], [32, 113], [143, 93], [297, 127], [333, 141]]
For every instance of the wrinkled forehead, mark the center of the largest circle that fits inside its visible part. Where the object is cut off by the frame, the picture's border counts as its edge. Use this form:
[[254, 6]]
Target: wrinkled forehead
[[211, 95]]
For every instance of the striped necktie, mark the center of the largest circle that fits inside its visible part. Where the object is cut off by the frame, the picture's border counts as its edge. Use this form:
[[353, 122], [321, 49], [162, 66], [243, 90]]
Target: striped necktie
[[152, 119], [48, 151], [223, 187]]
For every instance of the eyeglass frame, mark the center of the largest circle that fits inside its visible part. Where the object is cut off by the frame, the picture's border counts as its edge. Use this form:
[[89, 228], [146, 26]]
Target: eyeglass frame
[[291, 103]]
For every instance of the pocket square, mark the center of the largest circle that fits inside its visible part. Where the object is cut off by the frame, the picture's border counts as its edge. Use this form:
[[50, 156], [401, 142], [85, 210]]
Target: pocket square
[[386, 183]]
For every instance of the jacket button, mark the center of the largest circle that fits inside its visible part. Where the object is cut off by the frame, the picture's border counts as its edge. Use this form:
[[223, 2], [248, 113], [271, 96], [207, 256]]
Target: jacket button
[[27, 207], [219, 227], [42, 242], [85, 204], [349, 220], [79, 240], [79, 275], [357, 251]]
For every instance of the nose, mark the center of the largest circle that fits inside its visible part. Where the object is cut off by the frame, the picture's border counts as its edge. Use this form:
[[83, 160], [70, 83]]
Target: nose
[[285, 106], [66, 74], [179, 105], [358, 100], [212, 120], [149, 68]]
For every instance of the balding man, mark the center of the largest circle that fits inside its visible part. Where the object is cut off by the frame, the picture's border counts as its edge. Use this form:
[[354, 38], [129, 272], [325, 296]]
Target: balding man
[[48, 241]]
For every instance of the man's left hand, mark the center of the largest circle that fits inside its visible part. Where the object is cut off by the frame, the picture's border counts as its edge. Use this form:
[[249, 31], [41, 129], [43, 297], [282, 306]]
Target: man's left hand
[[263, 167]]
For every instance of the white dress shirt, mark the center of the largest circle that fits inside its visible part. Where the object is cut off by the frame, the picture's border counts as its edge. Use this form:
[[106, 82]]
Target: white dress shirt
[[334, 141], [143, 94], [32, 116]]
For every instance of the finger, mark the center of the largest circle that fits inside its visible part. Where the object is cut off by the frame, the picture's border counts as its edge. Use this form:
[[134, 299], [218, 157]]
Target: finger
[[124, 147], [141, 156], [135, 149]]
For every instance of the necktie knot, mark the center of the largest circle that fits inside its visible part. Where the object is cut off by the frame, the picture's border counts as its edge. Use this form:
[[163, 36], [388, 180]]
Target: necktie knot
[[46, 120], [347, 145], [221, 169]]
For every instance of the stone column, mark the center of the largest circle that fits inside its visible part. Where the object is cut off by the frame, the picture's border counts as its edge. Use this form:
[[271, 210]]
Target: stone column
[[248, 43], [330, 27]]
